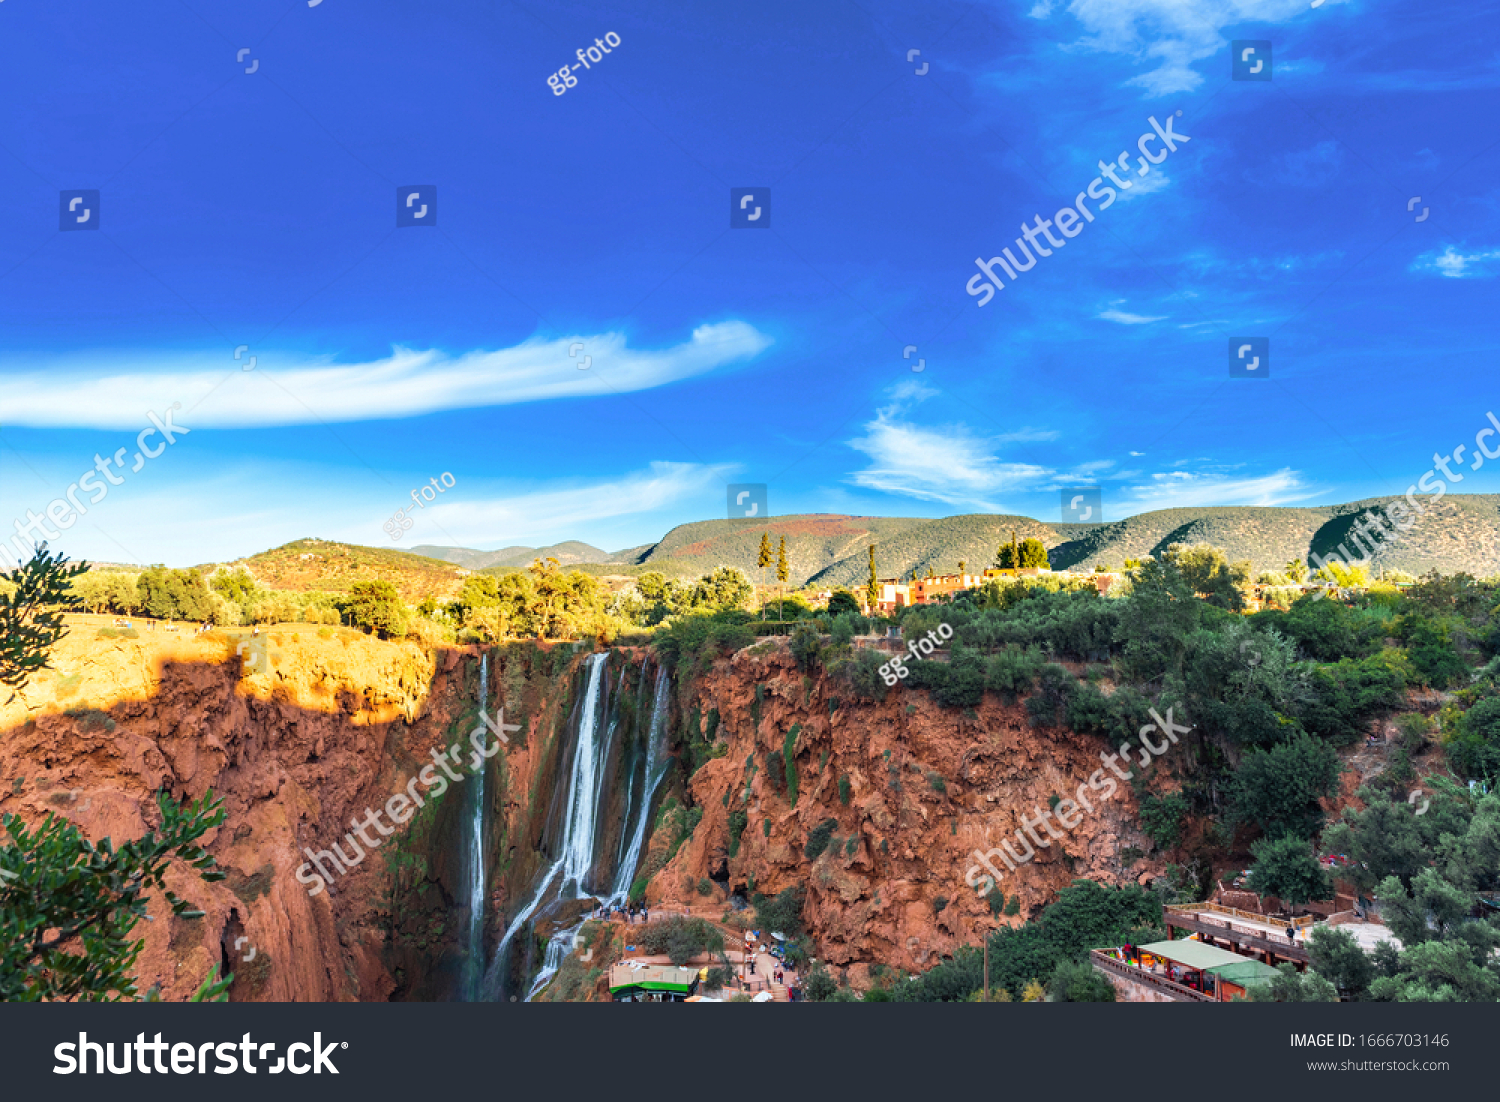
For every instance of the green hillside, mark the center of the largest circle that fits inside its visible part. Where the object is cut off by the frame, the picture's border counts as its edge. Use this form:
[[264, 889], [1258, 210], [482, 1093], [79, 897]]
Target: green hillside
[[320, 565], [1459, 533]]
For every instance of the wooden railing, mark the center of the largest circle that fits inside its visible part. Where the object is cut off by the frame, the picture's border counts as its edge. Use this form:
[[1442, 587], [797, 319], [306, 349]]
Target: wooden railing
[[1279, 944], [1301, 922], [1103, 962]]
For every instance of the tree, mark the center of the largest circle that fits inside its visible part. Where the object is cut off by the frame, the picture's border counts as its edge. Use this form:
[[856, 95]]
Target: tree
[[1034, 553], [1279, 789], [872, 588], [68, 907], [1207, 570], [818, 985], [105, 591], [841, 602], [377, 607], [30, 624], [174, 594], [1157, 620], [1334, 953], [1077, 982], [1290, 987], [781, 914], [1296, 570], [763, 560], [962, 567], [724, 589], [237, 585], [1008, 557], [1286, 867], [782, 571]]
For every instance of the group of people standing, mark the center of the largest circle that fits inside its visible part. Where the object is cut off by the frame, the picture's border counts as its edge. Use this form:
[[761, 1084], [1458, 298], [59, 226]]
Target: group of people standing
[[630, 912]]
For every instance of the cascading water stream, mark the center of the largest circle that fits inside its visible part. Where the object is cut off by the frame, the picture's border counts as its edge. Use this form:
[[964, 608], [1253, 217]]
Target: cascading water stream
[[578, 822], [655, 768], [474, 923]]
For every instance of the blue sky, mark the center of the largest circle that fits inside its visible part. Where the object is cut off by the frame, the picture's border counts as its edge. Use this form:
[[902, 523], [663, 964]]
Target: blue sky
[[259, 209]]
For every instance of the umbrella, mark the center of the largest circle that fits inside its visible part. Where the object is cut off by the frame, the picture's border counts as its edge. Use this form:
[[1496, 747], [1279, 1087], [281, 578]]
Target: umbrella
[[763, 997], [779, 937]]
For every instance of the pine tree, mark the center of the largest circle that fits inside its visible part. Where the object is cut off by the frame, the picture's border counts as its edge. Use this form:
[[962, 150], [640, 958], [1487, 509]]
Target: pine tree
[[872, 592], [961, 567], [763, 560], [1009, 555], [782, 573]]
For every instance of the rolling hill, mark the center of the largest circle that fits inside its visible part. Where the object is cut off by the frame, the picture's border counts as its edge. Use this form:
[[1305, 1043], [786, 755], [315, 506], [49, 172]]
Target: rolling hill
[[1461, 532]]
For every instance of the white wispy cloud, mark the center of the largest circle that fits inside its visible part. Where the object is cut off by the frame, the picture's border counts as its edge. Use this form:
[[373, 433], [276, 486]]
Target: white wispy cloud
[[1170, 35], [214, 391], [556, 512], [1185, 489], [1453, 264], [1157, 180], [949, 463], [1128, 319]]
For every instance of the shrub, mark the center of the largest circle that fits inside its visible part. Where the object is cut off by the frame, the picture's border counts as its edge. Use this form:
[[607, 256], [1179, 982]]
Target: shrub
[[806, 646], [781, 914], [680, 939], [705, 886], [844, 790], [1077, 982], [817, 838], [738, 821], [376, 607], [937, 782], [1162, 816], [789, 760]]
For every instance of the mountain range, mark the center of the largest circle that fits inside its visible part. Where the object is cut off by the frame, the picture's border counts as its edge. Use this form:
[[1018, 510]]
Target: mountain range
[[1459, 533]]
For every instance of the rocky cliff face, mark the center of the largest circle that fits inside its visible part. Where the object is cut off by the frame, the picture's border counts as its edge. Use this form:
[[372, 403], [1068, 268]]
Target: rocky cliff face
[[333, 723], [926, 787], [329, 725]]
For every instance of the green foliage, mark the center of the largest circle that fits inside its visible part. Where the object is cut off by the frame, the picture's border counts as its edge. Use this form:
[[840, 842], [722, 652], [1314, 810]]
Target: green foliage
[[1293, 987], [817, 839], [375, 606], [1157, 620], [30, 624], [1348, 694], [935, 780], [844, 790], [705, 886], [174, 594], [781, 914], [1474, 749], [1288, 868], [1077, 982], [1208, 572], [818, 985], [679, 938], [806, 646], [1162, 818], [789, 759], [1430, 647], [842, 601], [1336, 955], [105, 591], [738, 821], [1325, 630], [67, 912], [1279, 789], [1085, 915], [1013, 908]]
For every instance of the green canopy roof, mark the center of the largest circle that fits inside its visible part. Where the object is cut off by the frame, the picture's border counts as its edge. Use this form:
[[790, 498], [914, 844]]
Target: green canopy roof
[[1245, 972], [1197, 955]]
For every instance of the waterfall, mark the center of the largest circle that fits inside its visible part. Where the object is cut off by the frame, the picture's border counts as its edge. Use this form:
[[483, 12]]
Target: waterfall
[[586, 844], [656, 769], [474, 865]]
